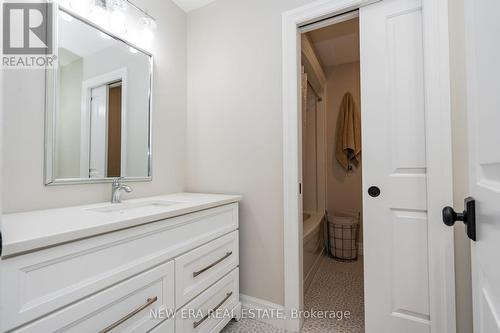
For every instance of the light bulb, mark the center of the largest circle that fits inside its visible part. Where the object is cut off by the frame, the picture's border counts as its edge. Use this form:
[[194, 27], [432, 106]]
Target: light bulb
[[100, 16], [116, 4], [148, 22], [83, 7], [118, 22], [148, 26]]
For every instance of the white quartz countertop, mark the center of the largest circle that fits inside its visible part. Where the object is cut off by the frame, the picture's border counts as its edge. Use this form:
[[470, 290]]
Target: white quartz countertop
[[28, 231]]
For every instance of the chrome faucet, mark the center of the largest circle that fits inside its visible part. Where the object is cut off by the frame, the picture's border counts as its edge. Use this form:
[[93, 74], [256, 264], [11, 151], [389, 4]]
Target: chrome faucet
[[116, 190]]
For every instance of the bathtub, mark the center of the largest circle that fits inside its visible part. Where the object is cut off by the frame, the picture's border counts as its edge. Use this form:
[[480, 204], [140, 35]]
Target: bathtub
[[314, 244]]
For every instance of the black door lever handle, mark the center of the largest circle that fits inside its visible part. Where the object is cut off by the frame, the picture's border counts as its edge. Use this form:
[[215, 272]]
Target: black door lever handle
[[468, 217]]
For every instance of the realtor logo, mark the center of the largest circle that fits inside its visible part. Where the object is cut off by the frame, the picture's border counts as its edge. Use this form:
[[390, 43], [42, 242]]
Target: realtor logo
[[27, 32]]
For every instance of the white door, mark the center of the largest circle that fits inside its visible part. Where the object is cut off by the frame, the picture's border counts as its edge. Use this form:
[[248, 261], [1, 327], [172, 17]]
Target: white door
[[98, 132], [394, 161], [483, 56]]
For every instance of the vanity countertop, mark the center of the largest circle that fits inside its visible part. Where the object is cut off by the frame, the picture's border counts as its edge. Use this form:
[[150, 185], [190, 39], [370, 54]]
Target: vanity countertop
[[27, 231]]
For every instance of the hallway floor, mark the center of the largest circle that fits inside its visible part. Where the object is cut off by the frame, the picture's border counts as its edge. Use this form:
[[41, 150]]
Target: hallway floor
[[337, 286]]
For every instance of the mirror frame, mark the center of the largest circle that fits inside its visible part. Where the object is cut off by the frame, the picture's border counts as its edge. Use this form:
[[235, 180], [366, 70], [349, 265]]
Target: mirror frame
[[51, 93]]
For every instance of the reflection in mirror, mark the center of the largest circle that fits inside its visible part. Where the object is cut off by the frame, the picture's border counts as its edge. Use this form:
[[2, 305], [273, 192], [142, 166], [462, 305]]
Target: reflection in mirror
[[99, 121]]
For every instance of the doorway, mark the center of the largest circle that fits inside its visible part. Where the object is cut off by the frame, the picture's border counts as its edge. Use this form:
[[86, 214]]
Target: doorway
[[103, 134], [114, 129], [105, 130], [409, 278], [332, 174]]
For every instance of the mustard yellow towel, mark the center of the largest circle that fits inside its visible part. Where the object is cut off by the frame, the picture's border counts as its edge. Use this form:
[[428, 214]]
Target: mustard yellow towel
[[348, 148]]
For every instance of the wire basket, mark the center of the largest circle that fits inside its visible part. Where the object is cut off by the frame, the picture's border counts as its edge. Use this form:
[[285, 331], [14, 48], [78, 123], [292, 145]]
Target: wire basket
[[343, 232]]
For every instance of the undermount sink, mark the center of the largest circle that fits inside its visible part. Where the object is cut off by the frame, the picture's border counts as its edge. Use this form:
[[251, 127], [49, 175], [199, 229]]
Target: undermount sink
[[147, 206]]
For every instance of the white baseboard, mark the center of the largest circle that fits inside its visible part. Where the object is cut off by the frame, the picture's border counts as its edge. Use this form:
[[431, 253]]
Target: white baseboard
[[261, 306]]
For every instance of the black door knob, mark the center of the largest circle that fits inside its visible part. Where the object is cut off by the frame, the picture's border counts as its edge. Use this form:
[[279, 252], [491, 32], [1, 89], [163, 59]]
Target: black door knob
[[374, 191], [450, 216], [468, 217]]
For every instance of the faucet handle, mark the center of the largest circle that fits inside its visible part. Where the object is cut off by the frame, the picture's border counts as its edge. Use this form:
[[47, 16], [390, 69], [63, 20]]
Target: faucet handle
[[117, 181]]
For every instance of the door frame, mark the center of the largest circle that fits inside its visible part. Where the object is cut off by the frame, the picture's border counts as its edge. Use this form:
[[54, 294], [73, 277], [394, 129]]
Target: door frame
[[438, 155]]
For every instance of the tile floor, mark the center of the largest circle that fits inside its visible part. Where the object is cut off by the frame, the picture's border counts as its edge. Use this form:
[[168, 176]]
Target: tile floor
[[337, 286]]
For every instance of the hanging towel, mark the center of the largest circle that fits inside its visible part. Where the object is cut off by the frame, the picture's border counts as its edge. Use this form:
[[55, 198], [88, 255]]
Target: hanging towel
[[348, 148]]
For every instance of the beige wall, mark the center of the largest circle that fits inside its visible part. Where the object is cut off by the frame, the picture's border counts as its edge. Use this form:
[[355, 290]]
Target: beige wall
[[68, 123], [234, 126], [344, 191], [23, 127], [460, 163]]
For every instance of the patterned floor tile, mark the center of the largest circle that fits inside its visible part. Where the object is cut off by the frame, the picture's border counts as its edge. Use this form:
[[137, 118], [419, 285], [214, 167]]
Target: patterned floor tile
[[336, 287], [250, 326]]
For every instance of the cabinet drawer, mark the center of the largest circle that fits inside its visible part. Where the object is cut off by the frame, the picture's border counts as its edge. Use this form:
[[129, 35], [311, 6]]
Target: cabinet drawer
[[121, 308], [36, 284], [168, 326], [220, 299], [199, 269]]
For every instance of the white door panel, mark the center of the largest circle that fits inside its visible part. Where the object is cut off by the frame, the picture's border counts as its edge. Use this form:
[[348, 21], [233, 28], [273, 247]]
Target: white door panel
[[483, 54], [394, 153], [98, 132]]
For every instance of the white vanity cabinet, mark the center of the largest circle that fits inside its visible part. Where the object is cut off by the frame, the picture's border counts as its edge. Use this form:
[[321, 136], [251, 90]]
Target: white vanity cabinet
[[160, 276]]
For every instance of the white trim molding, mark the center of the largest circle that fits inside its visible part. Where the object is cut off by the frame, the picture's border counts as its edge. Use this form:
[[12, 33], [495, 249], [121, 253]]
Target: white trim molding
[[252, 306], [439, 165], [438, 138]]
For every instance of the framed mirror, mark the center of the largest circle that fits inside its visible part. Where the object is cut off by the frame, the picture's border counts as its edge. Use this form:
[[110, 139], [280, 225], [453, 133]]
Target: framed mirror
[[98, 112]]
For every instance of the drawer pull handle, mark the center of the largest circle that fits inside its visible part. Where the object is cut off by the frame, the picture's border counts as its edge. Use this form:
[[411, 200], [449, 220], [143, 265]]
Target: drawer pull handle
[[195, 274], [198, 323], [130, 315]]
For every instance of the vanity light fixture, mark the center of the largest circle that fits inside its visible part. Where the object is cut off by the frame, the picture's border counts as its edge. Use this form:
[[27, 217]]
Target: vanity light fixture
[[100, 15], [148, 26], [148, 22], [117, 20], [116, 4]]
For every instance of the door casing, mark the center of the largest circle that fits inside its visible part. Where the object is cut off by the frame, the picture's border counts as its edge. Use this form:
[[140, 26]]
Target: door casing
[[438, 154]]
